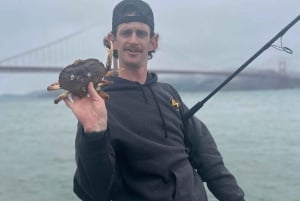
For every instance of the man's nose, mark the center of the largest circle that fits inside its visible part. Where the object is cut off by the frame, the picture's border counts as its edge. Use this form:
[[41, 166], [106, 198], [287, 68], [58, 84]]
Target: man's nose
[[133, 38]]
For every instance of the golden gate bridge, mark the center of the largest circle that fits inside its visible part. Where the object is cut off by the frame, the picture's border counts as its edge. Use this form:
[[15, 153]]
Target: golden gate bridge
[[51, 57]]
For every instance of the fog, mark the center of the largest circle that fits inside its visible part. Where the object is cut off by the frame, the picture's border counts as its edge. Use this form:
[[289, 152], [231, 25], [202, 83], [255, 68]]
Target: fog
[[214, 35]]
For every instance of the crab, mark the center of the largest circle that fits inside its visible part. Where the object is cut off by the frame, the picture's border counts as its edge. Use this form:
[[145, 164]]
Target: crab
[[74, 78]]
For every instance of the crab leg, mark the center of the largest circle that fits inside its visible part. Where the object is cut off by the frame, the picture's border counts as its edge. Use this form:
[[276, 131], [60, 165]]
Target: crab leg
[[61, 96], [109, 59], [104, 82], [103, 95]]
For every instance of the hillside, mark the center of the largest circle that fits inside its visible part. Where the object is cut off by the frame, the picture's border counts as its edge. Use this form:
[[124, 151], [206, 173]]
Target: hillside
[[263, 80]]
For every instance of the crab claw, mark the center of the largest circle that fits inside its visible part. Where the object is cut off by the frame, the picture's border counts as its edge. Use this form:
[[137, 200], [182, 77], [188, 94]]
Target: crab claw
[[54, 86]]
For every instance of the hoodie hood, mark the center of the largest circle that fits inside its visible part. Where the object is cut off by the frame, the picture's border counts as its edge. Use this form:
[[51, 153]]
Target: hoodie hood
[[123, 84]]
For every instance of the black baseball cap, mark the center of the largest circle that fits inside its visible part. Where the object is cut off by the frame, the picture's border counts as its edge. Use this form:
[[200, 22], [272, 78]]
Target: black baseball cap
[[132, 11]]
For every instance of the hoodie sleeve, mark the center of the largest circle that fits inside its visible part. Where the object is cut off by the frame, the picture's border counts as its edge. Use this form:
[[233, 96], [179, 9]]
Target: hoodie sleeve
[[208, 161], [95, 166]]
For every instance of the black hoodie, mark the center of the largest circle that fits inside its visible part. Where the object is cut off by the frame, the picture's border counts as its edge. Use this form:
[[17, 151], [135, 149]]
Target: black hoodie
[[144, 154]]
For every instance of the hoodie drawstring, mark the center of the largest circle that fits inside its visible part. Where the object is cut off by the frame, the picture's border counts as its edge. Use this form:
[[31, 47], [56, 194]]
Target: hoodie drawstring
[[160, 113], [144, 94]]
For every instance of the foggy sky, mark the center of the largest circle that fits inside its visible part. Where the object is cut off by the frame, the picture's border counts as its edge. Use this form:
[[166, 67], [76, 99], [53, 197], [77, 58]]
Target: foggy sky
[[213, 34]]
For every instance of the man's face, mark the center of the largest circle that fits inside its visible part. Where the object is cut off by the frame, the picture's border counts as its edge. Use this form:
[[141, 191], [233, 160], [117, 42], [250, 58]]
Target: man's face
[[133, 43]]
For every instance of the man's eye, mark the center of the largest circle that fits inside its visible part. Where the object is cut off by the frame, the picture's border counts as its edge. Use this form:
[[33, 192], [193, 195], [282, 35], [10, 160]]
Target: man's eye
[[126, 33], [141, 33]]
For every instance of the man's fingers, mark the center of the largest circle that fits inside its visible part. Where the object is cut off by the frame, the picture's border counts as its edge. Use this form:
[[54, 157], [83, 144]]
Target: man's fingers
[[92, 91], [67, 101], [71, 100], [75, 98]]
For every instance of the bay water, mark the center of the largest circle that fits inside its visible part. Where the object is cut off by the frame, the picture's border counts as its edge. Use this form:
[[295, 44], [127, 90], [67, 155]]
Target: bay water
[[257, 132]]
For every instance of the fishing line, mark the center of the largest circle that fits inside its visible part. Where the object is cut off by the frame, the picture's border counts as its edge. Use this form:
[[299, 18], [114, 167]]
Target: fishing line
[[282, 48], [199, 105]]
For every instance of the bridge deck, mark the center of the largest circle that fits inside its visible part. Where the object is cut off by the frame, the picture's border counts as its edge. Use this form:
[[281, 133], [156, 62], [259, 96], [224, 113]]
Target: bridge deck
[[55, 69]]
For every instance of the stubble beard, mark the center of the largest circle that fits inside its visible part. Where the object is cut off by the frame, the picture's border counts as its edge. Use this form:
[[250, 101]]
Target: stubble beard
[[137, 63]]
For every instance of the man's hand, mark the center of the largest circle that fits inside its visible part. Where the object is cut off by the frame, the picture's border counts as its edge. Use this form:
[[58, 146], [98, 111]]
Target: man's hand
[[90, 110]]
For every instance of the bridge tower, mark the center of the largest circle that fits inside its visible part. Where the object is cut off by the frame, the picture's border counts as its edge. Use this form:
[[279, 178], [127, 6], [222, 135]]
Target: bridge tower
[[283, 78]]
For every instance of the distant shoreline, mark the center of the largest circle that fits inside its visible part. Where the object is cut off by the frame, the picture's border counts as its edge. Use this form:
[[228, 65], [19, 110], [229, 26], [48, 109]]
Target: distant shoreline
[[196, 83]]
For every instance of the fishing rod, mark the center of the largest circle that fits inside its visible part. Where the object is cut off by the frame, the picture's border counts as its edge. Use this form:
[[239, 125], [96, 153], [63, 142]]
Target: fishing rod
[[199, 105]]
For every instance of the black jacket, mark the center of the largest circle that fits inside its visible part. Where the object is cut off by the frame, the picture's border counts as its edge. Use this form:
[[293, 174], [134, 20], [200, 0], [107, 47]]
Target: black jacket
[[147, 153]]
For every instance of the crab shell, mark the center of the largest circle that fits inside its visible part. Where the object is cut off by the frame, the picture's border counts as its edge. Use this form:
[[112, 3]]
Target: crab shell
[[76, 77]]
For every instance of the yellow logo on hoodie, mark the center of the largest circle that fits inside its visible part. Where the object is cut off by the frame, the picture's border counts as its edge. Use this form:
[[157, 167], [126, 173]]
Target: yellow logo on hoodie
[[175, 104]]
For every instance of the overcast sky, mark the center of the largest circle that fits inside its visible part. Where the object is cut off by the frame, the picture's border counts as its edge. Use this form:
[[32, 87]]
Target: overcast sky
[[216, 34]]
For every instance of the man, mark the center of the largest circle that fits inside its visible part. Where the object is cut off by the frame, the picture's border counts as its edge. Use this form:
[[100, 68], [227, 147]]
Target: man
[[135, 146]]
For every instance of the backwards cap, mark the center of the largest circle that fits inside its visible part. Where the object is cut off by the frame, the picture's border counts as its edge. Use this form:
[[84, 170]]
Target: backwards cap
[[132, 11]]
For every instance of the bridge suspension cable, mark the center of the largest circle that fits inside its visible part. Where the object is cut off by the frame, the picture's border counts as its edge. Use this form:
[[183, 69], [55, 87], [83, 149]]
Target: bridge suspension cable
[[55, 52]]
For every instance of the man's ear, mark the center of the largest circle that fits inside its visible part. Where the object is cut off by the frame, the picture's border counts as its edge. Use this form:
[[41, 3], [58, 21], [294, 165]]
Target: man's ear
[[111, 38], [153, 42]]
